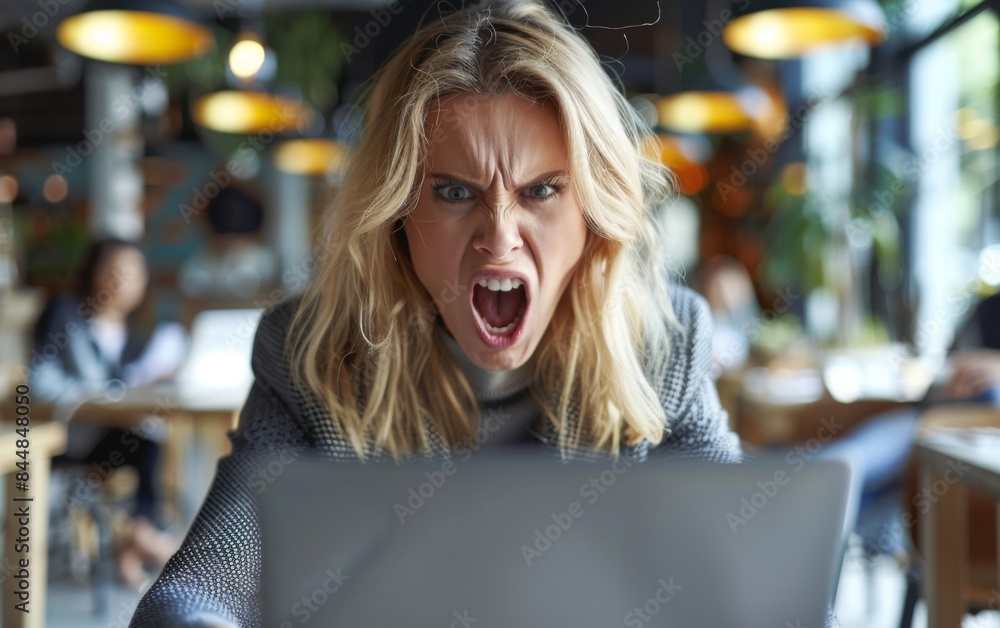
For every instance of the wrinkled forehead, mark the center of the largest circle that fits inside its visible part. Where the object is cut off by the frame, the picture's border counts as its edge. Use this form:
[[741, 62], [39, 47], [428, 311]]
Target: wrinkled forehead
[[488, 135]]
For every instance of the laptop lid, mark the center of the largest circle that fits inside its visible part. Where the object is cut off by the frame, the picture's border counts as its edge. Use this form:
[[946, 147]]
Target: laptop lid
[[505, 540], [220, 351]]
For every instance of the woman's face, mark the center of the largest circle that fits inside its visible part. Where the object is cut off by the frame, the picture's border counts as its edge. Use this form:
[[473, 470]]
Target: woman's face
[[121, 280], [497, 229]]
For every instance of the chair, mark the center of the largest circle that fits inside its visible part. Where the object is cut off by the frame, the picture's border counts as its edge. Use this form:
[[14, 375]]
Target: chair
[[982, 519], [72, 517]]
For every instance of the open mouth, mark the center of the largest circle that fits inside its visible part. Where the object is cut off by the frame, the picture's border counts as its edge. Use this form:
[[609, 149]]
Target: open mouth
[[500, 305]]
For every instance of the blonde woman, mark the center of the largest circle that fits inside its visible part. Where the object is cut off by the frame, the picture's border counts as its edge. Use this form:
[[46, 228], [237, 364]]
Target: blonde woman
[[487, 277]]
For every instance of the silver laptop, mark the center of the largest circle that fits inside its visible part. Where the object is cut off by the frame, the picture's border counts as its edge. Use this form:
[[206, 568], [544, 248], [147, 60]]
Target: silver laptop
[[220, 351], [524, 540]]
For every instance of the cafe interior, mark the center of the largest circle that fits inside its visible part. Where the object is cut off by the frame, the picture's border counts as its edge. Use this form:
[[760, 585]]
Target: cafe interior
[[836, 204]]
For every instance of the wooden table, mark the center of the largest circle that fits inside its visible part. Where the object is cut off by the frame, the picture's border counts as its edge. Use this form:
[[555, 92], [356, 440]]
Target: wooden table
[[776, 407], [194, 418], [948, 468], [45, 441], [767, 422]]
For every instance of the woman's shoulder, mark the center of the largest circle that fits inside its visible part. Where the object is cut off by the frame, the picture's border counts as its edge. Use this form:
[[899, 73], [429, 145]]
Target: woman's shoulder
[[277, 411], [272, 416], [690, 332], [698, 425], [690, 308], [269, 359]]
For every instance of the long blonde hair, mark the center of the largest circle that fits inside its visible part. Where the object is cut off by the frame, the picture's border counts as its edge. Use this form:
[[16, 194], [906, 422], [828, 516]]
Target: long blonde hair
[[363, 339]]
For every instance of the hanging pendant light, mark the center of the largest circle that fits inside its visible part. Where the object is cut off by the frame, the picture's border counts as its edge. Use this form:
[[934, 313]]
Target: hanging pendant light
[[311, 156], [135, 33], [233, 111], [716, 96], [706, 111], [788, 29], [252, 109], [724, 102]]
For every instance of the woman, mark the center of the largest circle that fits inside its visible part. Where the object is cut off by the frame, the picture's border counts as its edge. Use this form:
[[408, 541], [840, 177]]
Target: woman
[[489, 248], [83, 347]]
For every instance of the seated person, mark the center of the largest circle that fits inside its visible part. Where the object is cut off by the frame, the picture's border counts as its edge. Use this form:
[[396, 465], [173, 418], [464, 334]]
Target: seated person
[[729, 291], [975, 355], [85, 345], [490, 259], [884, 443]]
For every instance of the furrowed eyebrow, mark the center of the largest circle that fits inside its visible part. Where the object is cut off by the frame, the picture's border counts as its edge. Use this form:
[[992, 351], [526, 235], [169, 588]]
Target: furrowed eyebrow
[[535, 181]]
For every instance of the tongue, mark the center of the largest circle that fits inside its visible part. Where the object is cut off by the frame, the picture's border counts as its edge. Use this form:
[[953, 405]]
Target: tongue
[[499, 309]]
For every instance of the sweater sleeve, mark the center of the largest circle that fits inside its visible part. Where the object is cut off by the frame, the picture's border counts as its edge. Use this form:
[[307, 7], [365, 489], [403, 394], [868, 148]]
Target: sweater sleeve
[[214, 578], [697, 423]]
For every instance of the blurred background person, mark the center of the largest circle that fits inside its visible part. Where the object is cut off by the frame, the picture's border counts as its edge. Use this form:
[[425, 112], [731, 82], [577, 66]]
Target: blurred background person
[[726, 285], [235, 265], [975, 356], [883, 445], [88, 345]]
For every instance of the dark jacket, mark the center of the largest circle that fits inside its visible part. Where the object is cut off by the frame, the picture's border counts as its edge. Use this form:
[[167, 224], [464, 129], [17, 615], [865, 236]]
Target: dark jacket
[[66, 364]]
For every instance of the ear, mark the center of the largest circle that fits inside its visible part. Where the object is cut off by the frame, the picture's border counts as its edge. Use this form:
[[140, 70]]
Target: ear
[[401, 241]]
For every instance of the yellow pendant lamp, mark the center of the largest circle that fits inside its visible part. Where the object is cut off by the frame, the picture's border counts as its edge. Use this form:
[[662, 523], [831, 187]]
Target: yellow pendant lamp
[[310, 157], [233, 111], [788, 29], [705, 111], [251, 111], [136, 34]]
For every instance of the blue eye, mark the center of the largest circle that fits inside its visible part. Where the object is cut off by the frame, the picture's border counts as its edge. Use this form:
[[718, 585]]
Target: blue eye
[[541, 191], [453, 192], [545, 190]]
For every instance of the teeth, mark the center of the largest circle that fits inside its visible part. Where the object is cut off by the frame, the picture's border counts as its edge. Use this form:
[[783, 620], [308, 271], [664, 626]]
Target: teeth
[[505, 328], [497, 285]]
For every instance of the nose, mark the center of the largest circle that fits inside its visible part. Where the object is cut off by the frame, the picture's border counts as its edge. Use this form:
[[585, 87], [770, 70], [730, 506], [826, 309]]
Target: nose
[[499, 234]]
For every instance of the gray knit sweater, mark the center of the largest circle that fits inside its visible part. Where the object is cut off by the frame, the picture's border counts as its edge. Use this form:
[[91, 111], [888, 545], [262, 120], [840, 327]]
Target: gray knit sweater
[[214, 578]]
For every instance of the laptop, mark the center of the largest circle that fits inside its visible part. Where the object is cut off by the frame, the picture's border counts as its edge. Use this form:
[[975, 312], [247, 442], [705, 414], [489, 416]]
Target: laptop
[[220, 351], [526, 540]]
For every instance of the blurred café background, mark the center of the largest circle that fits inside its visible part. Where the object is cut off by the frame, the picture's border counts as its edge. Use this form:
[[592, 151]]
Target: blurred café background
[[838, 205]]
